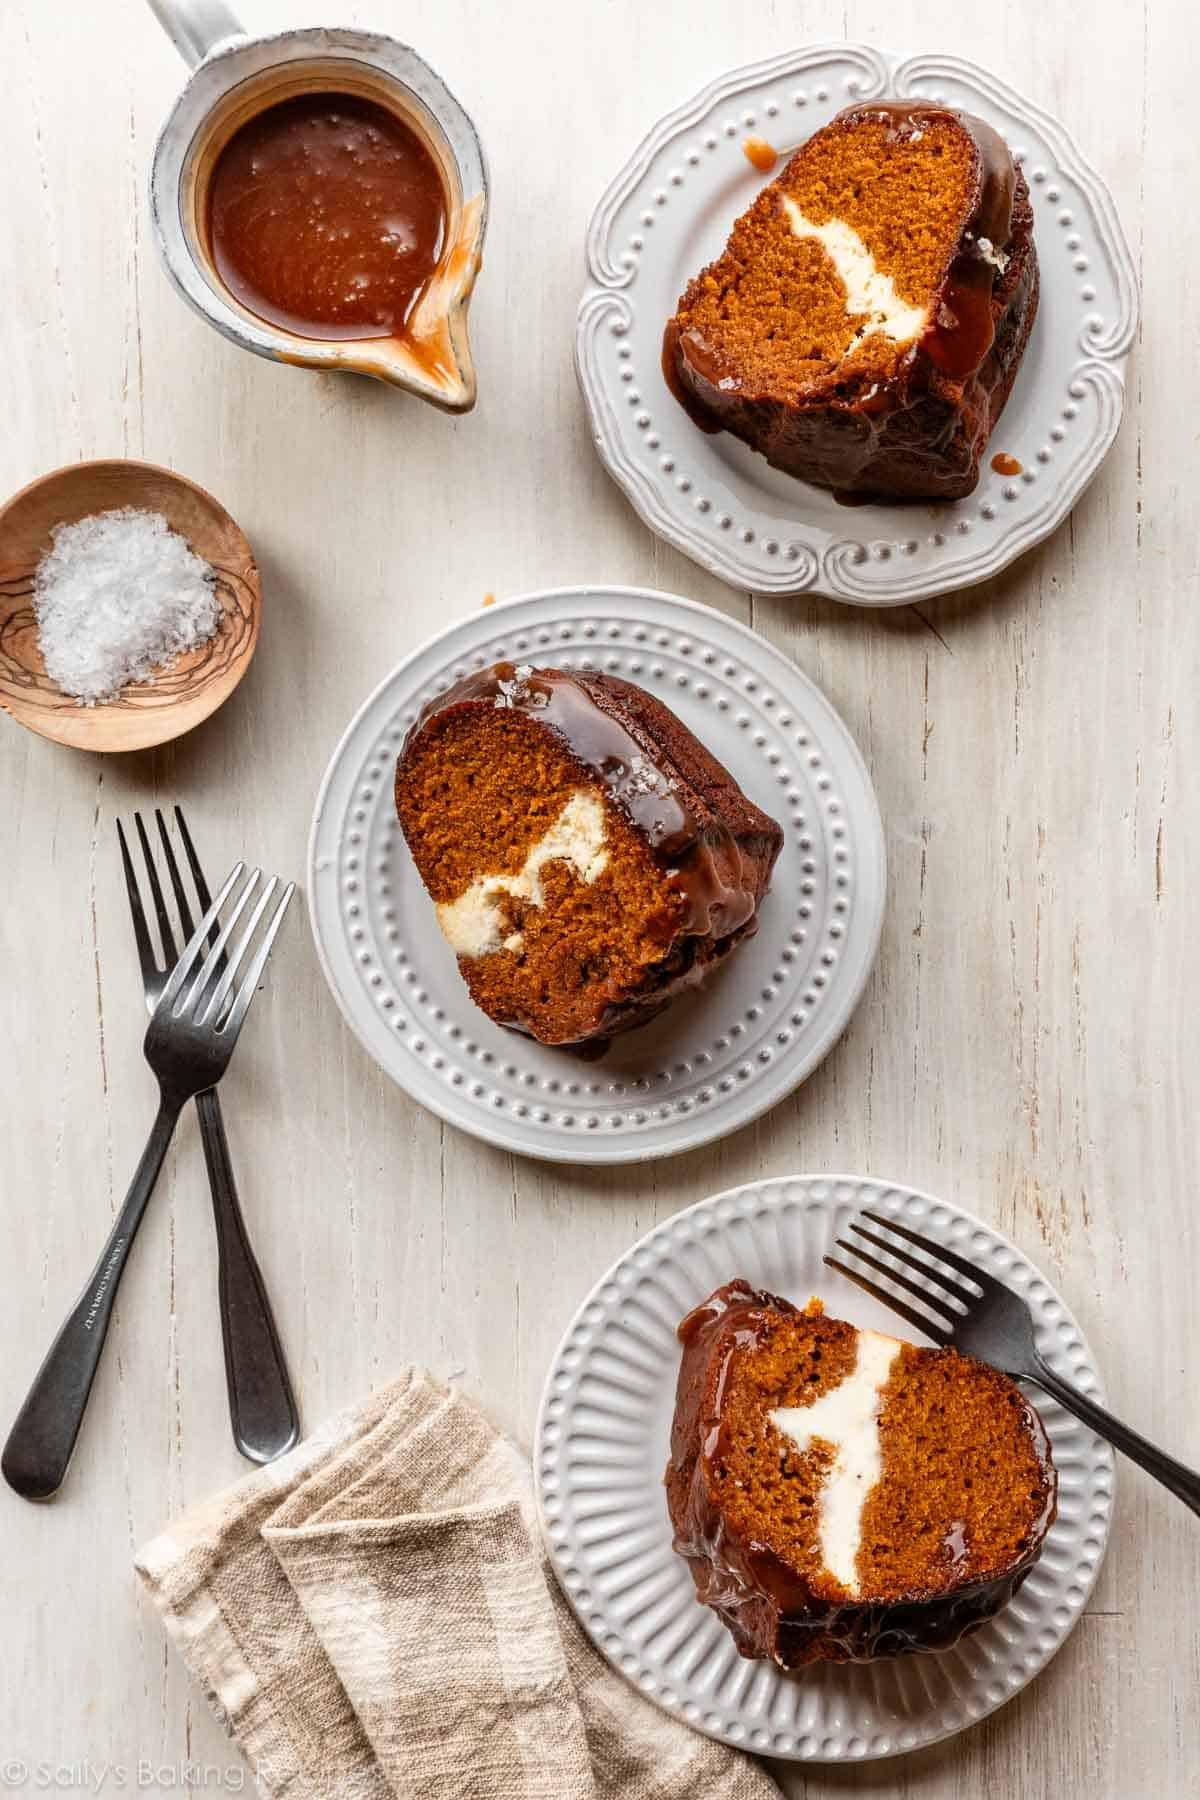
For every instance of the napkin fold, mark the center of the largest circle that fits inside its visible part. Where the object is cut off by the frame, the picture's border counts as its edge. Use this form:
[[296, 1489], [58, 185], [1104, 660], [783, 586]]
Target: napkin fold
[[373, 1618]]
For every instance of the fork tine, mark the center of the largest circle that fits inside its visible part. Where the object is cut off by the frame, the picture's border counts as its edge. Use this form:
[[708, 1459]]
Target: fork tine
[[241, 1006], [939, 1307], [938, 1279], [180, 892], [141, 931], [166, 935], [194, 863], [195, 944], [193, 860], [215, 1002], [211, 966], [940, 1338], [931, 1247]]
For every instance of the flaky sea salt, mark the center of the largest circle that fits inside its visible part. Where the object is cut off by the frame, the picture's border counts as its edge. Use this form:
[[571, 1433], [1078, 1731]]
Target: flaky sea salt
[[518, 692], [990, 254], [644, 778], [118, 597]]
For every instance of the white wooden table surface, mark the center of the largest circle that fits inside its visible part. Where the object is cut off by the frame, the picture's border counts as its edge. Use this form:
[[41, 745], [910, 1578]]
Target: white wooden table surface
[[1029, 1043]]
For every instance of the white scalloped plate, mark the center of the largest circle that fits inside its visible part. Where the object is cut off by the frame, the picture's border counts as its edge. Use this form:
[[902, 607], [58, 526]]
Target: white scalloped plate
[[669, 212], [601, 1447], [715, 1059]]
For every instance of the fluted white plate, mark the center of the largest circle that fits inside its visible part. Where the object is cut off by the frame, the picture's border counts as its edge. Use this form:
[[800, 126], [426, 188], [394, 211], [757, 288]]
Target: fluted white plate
[[669, 212], [601, 1449], [716, 1058]]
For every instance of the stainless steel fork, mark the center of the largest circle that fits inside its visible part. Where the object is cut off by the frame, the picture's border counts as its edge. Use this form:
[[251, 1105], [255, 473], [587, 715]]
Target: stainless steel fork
[[262, 1407], [969, 1309], [188, 1045]]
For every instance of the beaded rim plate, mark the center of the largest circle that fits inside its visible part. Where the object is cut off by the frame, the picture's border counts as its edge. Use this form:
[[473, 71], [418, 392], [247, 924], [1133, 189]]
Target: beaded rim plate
[[669, 212], [716, 1058], [601, 1447]]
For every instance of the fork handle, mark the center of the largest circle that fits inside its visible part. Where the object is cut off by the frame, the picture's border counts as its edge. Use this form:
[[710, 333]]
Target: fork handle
[[42, 1438], [262, 1407], [1183, 1482]]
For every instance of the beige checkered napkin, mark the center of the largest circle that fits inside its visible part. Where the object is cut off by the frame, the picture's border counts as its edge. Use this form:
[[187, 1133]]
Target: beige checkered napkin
[[372, 1617]]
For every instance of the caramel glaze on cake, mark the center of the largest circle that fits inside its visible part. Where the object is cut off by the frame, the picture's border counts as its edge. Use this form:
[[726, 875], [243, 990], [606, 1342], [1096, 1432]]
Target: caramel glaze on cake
[[934, 1504], [866, 320], [589, 859]]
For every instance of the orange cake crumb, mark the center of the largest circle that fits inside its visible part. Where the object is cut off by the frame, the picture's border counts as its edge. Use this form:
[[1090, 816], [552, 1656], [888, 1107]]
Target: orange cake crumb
[[774, 302], [838, 1493], [961, 1484], [866, 319], [476, 798], [588, 859]]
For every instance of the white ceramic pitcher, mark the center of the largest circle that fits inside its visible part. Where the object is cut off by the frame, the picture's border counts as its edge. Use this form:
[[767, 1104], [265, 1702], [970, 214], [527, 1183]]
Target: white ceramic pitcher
[[234, 77]]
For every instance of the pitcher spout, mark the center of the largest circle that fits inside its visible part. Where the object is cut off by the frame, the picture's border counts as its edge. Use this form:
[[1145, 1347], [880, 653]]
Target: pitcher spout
[[432, 357]]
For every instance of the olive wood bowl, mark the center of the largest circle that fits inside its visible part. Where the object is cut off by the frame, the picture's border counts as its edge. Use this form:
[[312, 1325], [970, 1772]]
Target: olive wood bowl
[[191, 687]]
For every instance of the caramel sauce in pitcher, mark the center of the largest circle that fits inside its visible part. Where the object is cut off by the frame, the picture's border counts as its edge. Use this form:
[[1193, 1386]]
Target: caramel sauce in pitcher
[[327, 216]]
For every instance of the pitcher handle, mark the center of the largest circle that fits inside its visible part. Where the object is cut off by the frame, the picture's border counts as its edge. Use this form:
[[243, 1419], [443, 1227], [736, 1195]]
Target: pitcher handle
[[196, 27]]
